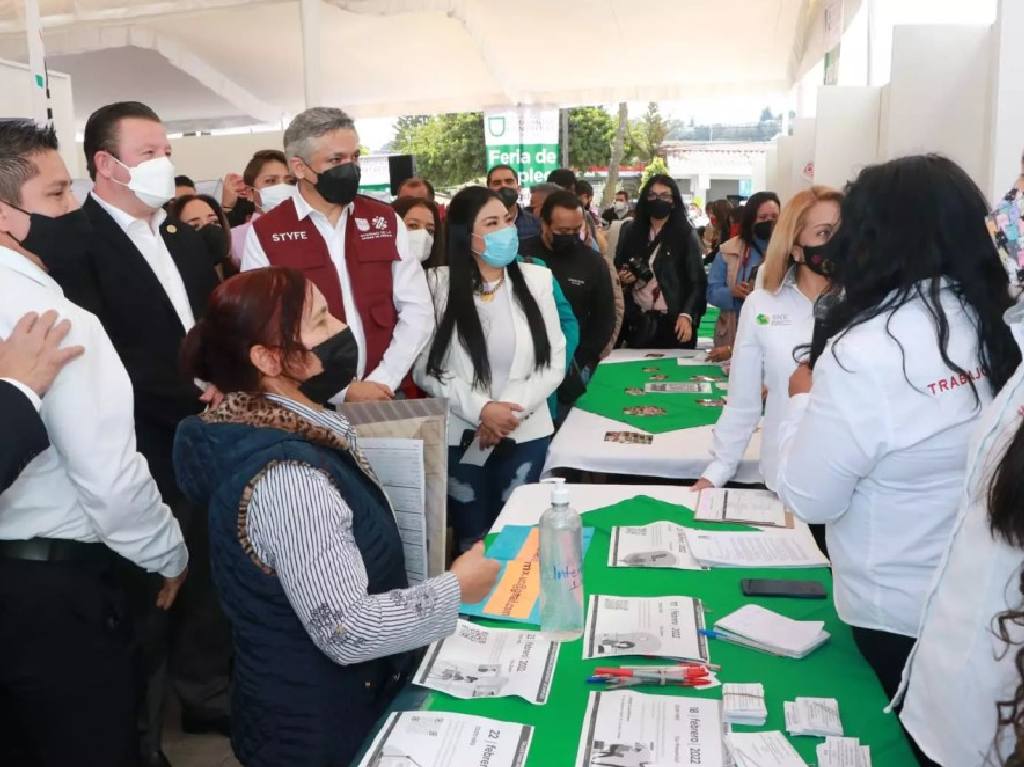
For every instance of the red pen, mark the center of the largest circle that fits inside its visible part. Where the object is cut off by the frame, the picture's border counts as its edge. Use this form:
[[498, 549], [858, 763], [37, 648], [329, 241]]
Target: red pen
[[672, 673]]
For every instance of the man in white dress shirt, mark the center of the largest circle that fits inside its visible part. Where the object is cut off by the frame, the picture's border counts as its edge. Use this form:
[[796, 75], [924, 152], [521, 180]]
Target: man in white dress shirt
[[67, 684], [148, 279], [354, 248]]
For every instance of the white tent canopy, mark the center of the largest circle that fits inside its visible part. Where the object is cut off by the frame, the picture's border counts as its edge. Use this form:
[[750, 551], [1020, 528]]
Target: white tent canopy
[[217, 63]]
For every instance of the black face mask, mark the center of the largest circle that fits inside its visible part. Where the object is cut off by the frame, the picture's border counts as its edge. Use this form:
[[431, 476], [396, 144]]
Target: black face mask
[[659, 208], [339, 185], [563, 243], [216, 240], [763, 230], [57, 240], [821, 259], [508, 196], [339, 355]]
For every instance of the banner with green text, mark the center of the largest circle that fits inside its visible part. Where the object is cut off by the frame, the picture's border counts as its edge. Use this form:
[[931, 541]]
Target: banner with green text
[[525, 138]]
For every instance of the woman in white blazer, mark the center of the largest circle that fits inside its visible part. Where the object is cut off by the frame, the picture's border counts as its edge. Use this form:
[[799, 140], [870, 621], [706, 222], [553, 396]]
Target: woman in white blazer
[[903, 366], [496, 354], [775, 321], [963, 664]]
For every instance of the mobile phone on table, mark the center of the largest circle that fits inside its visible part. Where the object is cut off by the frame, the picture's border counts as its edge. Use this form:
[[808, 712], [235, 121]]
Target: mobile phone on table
[[767, 587]]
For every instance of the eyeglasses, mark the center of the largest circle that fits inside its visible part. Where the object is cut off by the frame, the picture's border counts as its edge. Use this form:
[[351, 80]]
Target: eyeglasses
[[666, 196]]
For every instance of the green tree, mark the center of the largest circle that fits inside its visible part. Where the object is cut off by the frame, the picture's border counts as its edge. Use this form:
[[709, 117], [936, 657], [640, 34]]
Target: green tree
[[649, 132], [654, 167], [591, 130], [449, 149], [406, 126]]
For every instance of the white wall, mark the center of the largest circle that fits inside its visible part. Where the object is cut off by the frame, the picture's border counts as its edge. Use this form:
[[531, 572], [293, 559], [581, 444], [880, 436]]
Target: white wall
[[803, 155], [784, 168], [771, 168], [16, 87], [939, 95], [846, 138], [1007, 137]]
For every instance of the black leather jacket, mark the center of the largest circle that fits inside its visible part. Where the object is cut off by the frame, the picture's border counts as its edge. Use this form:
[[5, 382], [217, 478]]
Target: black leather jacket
[[678, 269]]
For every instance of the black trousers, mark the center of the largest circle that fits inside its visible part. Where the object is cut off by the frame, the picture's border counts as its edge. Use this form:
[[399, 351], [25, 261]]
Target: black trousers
[[187, 649], [67, 693], [887, 654]]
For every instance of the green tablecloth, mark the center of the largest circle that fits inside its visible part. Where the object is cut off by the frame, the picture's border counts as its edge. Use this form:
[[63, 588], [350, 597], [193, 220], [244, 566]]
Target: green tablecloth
[[835, 670], [606, 395], [707, 323]]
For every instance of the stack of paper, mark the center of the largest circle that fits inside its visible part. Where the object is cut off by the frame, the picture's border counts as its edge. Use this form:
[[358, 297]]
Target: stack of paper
[[481, 662], [445, 740], [813, 716], [655, 627], [843, 752], [761, 629], [755, 507], [660, 544], [762, 749], [744, 704], [632, 729], [776, 548]]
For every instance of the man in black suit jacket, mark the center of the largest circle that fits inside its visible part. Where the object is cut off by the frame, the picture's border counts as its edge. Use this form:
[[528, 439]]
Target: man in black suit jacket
[[148, 281], [29, 361]]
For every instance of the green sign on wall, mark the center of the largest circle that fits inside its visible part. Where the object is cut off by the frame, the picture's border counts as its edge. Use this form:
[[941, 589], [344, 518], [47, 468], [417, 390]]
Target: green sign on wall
[[525, 138]]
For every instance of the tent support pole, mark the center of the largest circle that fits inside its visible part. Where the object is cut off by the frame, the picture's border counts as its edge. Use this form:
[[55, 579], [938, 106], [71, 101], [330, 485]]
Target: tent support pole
[[310, 10]]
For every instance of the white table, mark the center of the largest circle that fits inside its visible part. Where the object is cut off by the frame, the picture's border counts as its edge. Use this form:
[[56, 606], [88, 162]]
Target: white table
[[681, 454], [528, 502], [689, 356]]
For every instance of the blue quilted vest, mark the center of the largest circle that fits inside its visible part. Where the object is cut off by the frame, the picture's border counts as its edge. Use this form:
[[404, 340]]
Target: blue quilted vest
[[291, 705]]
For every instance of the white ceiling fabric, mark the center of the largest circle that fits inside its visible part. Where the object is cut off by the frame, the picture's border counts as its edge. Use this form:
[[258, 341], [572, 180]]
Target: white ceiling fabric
[[207, 63]]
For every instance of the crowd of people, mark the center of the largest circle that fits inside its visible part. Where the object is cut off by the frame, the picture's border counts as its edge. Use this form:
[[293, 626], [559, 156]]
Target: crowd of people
[[182, 507]]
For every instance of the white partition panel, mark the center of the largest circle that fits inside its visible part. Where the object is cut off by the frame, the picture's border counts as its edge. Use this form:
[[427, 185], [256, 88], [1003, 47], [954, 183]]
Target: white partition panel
[[846, 138], [939, 95]]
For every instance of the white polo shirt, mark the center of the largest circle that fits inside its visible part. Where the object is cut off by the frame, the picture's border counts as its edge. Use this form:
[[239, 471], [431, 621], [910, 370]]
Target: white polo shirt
[[877, 451], [771, 327]]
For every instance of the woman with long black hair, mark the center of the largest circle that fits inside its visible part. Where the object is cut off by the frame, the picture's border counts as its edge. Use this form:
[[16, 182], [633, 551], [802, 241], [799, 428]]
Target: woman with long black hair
[[496, 354], [659, 263], [963, 696], [903, 365]]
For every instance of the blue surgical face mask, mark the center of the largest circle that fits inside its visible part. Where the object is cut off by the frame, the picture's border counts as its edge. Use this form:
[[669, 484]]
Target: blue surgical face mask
[[501, 247]]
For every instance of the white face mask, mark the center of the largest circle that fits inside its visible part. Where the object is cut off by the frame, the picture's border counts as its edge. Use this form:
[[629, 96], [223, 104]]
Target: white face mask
[[152, 180], [272, 196], [420, 243], [620, 207]]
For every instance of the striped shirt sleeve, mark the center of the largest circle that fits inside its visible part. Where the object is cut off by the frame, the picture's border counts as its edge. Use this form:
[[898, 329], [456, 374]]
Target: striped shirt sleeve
[[300, 525]]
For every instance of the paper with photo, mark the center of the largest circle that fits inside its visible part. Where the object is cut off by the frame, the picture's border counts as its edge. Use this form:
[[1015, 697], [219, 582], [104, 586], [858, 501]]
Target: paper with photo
[[398, 464], [481, 662], [657, 627], [516, 593], [419, 738], [766, 548], [660, 544], [633, 729], [753, 507], [678, 388]]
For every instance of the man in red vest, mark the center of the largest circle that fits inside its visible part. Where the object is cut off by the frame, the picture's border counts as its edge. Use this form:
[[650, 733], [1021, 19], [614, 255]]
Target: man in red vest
[[354, 248]]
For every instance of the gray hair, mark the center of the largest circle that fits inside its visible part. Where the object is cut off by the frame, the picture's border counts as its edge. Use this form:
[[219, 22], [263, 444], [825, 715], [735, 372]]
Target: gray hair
[[546, 188], [311, 124]]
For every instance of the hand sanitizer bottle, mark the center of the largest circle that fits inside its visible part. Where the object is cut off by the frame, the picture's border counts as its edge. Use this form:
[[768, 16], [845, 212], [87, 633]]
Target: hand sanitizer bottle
[[561, 568]]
